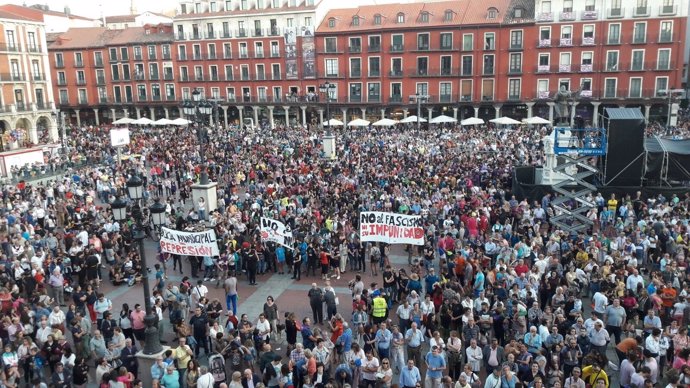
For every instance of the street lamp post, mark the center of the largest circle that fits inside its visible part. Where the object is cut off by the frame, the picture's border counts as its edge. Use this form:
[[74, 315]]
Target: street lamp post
[[198, 110], [325, 89], [135, 191], [417, 97]]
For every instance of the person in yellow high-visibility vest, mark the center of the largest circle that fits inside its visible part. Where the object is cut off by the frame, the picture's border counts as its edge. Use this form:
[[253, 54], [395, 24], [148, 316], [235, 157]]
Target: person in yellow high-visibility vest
[[380, 307]]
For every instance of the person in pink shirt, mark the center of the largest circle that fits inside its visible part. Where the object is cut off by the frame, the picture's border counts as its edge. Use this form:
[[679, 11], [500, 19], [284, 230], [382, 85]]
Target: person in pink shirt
[[138, 325]]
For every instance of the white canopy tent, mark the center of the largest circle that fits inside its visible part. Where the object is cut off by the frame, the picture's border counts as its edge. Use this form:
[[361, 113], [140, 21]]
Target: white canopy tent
[[472, 121], [505, 121], [413, 119], [163, 121], [358, 123], [180, 121], [385, 123], [333, 123], [143, 121], [442, 119], [536, 120], [123, 121]]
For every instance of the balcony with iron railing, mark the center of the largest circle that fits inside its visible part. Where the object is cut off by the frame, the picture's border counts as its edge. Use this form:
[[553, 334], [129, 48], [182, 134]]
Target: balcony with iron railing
[[422, 47], [184, 78], [58, 64], [544, 43], [515, 70], [354, 49], [487, 97], [397, 48], [141, 98], [78, 63], [81, 81], [545, 17], [516, 46], [98, 63], [138, 57], [182, 57], [103, 99], [139, 77], [11, 47], [543, 69], [100, 80], [642, 11], [168, 76], [567, 16], [170, 97], [153, 56], [615, 13], [588, 41], [199, 78], [668, 10], [165, 56], [274, 31], [665, 37], [589, 15], [33, 49], [241, 33], [565, 42], [374, 48], [38, 77], [154, 77], [396, 73]]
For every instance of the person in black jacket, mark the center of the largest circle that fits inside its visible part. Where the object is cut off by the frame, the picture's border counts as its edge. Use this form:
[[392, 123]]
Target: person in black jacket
[[61, 378], [316, 302], [249, 379], [291, 329], [128, 356], [80, 372]]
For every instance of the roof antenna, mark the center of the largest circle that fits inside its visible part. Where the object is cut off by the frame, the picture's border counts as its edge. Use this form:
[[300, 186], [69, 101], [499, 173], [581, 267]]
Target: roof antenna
[[100, 5]]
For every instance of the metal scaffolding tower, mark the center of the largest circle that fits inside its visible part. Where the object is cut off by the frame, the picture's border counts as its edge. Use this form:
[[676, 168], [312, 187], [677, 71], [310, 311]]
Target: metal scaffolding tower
[[571, 205]]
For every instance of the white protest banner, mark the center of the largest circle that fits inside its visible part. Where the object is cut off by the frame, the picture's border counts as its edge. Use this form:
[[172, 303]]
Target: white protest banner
[[276, 231], [119, 137], [189, 243], [391, 228]]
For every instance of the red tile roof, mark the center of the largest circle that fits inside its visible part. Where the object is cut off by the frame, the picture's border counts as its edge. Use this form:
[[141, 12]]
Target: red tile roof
[[463, 12], [120, 19], [36, 14], [93, 37]]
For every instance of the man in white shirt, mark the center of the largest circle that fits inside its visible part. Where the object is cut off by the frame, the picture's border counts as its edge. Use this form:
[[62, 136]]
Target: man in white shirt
[[600, 302], [403, 313], [264, 327], [199, 291], [205, 379], [633, 280]]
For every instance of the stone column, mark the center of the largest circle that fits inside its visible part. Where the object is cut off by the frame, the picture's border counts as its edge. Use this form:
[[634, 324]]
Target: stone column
[[33, 135], [572, 114], [430, 112], [167, 113], [95, 114], [138, 113], [498, 110], [304, 115], [241, 109], [551, 105], [225, 115], [256, 115], [286, 108], [113, 114], [364, 113], [270, 116], [125, 113], [54, 133], [78, 118], [406, 112], [383, 113], [476, 111], [321, 116], [152, 113], [595, 114], [647, 108], [530, 105], [344, 110], [455, 113]]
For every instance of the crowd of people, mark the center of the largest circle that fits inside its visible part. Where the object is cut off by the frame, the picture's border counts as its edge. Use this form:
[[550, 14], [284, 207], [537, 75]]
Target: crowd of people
[[496, 298]]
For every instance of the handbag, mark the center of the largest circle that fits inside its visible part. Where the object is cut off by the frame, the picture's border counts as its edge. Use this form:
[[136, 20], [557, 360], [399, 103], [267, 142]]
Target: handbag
[[588, 385], [477, 383]]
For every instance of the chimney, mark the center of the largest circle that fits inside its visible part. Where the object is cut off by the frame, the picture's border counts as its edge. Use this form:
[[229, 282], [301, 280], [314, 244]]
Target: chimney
[[67, 12]]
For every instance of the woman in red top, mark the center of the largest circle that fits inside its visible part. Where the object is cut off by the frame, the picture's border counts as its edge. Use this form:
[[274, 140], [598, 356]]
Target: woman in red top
[[337, 326], [324, 260]]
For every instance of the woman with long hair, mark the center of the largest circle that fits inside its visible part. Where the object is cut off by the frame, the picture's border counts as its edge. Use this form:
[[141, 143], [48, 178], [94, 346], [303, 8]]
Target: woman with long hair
[[192, 374], [125, 323]]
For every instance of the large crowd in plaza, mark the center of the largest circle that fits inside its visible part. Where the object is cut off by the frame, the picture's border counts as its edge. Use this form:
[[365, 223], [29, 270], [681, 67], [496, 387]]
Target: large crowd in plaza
[[496, 298]]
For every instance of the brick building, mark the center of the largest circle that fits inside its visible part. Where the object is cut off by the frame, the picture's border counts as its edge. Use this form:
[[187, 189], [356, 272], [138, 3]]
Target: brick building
[[263, 60], [26, 99]]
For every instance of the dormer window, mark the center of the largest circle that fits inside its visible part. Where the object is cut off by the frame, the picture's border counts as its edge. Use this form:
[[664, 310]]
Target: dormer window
[[492, 13], [331, 23], [355, 20], [447, 15], [424, 17], [377, 19], [517, 13], [400, 18]]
